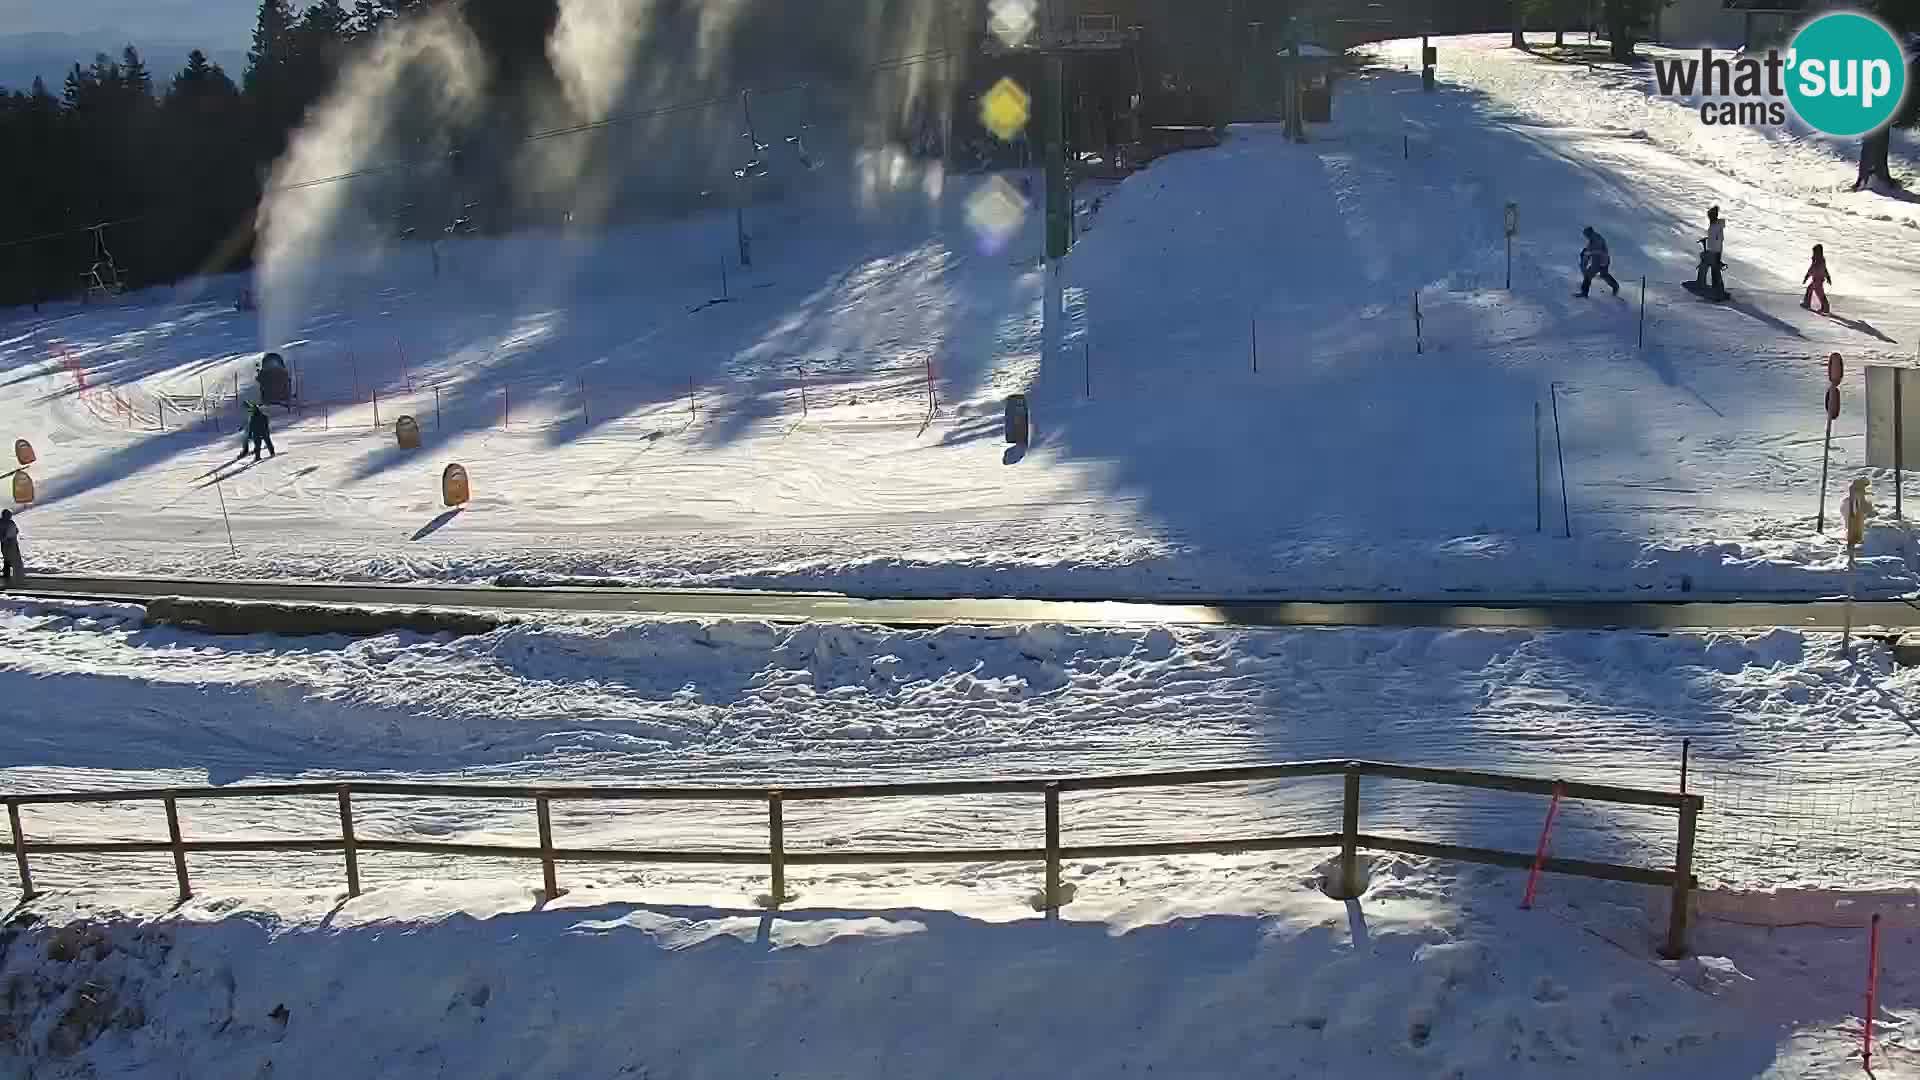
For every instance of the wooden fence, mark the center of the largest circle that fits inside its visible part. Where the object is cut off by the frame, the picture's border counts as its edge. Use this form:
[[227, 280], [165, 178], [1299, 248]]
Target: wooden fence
[[1349, 840]]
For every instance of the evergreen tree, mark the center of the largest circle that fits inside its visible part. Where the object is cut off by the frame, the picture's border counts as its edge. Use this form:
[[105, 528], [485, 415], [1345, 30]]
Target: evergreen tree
[[272, 44]]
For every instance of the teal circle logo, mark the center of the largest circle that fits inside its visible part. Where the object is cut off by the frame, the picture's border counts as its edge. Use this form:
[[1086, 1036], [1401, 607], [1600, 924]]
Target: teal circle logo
[[1847, 74]]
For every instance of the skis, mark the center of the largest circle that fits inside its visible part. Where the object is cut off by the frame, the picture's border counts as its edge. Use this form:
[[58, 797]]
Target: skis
[[1706, 293]]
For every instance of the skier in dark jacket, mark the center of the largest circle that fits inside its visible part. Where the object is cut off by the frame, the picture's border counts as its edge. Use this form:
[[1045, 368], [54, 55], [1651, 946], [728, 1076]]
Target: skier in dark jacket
[[259, 433], [1595, 262], [12, 567]]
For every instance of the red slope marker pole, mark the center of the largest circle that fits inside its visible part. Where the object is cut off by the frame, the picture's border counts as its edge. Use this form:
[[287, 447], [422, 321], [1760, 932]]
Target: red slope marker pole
[[1540, 854]]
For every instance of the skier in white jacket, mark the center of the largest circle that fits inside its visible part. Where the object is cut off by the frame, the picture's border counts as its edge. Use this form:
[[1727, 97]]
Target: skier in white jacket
[[1712, 245]]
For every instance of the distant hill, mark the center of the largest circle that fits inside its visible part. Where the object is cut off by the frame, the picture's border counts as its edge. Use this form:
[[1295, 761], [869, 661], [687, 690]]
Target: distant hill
[[51, 55]]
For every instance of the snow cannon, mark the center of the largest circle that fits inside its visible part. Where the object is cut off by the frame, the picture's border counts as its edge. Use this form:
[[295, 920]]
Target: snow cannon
[[276, 385], [406, 431], [22, 487], [23, 452], [453, 486], [1019, 422]]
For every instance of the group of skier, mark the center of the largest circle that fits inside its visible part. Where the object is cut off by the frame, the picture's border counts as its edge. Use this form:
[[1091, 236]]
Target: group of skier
[[1710, 281]]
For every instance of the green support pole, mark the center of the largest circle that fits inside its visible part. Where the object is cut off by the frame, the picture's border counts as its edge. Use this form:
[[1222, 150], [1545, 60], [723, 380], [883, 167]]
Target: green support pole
[[1059, 211]]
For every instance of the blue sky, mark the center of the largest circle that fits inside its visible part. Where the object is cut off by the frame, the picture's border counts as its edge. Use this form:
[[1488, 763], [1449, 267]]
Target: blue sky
[[218, 24]]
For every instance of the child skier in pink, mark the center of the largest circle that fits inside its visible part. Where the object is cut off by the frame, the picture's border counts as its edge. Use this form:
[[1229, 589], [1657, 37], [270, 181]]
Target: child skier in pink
[[1817, 279]]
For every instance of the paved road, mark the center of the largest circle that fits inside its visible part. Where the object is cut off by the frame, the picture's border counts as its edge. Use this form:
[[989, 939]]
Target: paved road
[[1733, 615]]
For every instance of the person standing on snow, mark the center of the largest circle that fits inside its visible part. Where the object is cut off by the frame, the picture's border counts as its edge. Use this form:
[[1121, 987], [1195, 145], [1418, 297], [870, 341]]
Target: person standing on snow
[[259, 433], [12, 567], [1712, 246], [1817, 279], [1594, 262]]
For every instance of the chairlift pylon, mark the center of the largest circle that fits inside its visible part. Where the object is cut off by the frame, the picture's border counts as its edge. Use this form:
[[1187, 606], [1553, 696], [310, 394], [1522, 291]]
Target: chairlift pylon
[[102, 279]]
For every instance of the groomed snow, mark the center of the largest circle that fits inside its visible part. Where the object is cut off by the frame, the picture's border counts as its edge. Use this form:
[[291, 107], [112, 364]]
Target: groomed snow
[[618, 427]]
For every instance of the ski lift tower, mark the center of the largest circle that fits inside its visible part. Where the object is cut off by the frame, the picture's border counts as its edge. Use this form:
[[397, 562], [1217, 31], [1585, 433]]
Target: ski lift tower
[[1047, 28], [102, 278]]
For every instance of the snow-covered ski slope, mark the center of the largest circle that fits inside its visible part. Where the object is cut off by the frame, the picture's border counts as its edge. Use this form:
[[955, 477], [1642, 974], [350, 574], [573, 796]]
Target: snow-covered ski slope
[[617, 425]]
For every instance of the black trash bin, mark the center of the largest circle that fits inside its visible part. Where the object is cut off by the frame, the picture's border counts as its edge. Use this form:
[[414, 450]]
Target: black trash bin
[[276, 385], [1019, 424], [1316, 104]]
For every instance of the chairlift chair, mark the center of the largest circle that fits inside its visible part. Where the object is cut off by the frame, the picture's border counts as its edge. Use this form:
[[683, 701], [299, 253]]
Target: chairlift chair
[[102, 279]]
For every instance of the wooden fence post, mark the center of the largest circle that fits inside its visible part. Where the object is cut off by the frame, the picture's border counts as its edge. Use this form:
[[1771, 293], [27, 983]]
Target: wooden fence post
[[1350, 836], [179, 849], [20, 851], [777, 848], [1053, 849], [348, 842], [1676, 946], [546, 847]]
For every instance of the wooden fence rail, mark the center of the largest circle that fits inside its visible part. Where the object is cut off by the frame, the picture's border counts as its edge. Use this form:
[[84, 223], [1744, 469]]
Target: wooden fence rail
[[1350, 840]]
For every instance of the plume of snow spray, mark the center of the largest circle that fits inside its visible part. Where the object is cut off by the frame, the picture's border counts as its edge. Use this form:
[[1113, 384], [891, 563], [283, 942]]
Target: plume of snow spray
[[427, 73]]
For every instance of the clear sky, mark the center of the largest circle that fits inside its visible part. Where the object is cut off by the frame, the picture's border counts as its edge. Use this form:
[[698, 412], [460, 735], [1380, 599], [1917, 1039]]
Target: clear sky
[[218, 24]]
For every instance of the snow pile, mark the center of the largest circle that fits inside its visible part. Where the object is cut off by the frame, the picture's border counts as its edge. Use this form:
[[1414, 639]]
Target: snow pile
[[1433, 973]]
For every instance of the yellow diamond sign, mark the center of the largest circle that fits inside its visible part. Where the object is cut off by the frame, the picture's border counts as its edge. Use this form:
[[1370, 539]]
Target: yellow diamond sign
[[1005, 109]]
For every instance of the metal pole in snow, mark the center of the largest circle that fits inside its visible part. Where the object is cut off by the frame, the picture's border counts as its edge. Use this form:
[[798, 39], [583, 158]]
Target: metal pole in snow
[[1086, 354], [693, 407], [1873, 991], [223, 516], [586, 416], [1899, 438], [436, 407], [1643, 311], [1539, 478], [1566, 511], [1820, 521]]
